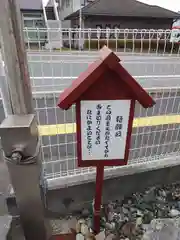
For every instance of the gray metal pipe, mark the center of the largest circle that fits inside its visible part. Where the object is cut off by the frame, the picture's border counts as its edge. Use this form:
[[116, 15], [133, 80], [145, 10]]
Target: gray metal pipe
[[15, 58], [4, 89]]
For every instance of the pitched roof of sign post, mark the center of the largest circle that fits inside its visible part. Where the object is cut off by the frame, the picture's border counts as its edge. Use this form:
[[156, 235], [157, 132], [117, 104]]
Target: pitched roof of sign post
[[124, 8], [94, 71]]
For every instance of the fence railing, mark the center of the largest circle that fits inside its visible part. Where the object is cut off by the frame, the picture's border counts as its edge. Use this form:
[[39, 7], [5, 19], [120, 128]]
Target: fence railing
[[123, 40], [156, 131]]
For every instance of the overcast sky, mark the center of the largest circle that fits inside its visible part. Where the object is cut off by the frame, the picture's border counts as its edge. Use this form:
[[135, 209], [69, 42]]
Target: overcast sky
[[169, 4]]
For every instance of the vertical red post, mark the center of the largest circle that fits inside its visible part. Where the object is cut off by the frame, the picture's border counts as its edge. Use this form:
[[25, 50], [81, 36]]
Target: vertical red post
[[98, 197]]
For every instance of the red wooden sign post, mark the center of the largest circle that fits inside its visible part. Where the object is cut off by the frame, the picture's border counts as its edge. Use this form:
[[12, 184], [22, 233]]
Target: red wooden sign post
[[105, 96]]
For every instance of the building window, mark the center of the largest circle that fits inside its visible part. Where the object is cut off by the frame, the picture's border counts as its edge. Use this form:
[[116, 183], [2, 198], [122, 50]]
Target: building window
[[67, 3], [32, 22], [32, 15]]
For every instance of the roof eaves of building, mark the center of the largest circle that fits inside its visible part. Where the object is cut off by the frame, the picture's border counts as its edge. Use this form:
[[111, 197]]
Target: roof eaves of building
[[86, 12], [131, 16], [76, 14]]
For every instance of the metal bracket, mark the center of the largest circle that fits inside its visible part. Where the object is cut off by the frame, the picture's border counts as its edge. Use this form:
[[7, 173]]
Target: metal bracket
[[17, 156]]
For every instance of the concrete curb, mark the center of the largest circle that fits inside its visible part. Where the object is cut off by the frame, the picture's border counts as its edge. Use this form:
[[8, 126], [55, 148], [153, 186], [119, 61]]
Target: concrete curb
[[136, 168]]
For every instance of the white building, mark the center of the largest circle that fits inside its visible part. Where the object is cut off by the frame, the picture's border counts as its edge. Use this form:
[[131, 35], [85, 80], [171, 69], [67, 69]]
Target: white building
[[48, 14], [37, 13], [40, 14], [67, 7]]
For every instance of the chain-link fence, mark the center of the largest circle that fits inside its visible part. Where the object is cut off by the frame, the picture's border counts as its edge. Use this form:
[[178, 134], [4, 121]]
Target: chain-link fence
[[155, 132], [154, 62]]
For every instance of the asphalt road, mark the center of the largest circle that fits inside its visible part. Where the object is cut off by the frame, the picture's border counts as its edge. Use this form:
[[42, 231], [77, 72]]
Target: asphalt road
[[54, 72]]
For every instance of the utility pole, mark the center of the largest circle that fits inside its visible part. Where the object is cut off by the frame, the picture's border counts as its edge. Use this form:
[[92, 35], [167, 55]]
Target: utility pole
[[19, 132], [80, 17], [81, 25]]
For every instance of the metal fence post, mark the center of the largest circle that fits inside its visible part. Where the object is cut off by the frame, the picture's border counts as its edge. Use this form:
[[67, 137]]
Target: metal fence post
[[19, 132]]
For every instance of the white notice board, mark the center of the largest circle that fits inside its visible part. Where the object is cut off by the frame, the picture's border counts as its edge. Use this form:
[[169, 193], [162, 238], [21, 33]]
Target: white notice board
[[104, 126]]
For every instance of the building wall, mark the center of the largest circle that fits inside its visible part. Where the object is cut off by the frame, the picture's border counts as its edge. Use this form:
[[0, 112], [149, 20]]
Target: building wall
[[66, 8], [112, 22], [77, 5], [70, 6], [81, 196], [66, 23], [30, 4], [33, 17]]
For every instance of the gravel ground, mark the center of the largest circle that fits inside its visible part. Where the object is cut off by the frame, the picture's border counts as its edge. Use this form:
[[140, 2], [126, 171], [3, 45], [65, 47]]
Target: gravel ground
[[152, 214]]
